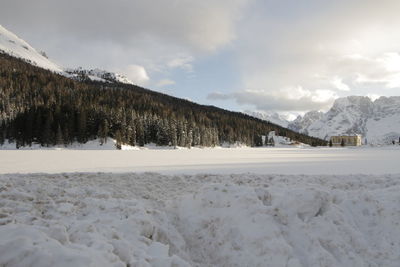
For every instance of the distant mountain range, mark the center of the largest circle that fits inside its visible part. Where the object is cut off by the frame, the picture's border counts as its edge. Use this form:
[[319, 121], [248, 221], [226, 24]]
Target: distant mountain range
[[377, 121], [271, 117]]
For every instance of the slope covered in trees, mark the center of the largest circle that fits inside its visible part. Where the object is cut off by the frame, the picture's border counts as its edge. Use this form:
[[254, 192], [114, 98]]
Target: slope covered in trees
[[38, 106]]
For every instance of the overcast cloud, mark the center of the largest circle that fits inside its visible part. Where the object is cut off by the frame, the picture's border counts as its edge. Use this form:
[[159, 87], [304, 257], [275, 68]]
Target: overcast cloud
[[283, 55]]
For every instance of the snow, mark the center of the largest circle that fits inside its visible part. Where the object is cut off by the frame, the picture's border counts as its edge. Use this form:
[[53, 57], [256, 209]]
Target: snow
[[274, 117], [98, 75], [280, 160], [275, 206], [95, 144], [148, 219], [15, 46], [92, 205], [377, 121]]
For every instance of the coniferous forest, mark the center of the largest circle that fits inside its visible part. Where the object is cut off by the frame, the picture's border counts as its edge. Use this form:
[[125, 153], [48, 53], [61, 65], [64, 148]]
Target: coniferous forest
[[38, 106]]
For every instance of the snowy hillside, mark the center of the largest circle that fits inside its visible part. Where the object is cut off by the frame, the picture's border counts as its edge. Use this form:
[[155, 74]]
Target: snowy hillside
[[275, 118], [149, 219], [378, 122], [98, 75], [15, 46]]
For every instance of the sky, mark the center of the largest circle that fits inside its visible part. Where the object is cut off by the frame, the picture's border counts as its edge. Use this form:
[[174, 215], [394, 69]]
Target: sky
[[285, 56]]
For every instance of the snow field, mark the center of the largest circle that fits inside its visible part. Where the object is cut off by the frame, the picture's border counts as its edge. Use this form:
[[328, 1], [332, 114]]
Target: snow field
[[281, 160], [149, 219]]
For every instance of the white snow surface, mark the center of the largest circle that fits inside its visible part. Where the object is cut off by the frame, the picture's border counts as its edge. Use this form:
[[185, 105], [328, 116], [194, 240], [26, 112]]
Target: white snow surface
[[15, 46], [280, 160], [94, 144], [149, 219]]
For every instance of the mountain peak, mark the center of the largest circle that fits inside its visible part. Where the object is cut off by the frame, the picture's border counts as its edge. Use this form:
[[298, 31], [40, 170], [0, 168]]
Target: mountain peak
[[377, 121], [13, 45], [97, 75]]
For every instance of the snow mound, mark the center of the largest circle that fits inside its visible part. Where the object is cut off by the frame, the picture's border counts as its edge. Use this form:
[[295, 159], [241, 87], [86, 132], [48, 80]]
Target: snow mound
[[15, 46], [95, 219]]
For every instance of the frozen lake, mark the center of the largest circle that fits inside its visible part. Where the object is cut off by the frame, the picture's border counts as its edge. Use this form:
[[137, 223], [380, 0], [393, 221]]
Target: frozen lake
[[218, 160]]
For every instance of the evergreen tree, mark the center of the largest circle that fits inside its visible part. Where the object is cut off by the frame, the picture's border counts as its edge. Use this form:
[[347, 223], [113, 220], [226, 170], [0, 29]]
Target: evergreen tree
[[173, 134], [47, 133], [272, 141], [118, 139], [258, 140], [59, 136], [35, 103]]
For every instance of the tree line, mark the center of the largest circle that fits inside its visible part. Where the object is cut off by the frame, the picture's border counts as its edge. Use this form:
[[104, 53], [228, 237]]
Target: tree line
[[38, 106]]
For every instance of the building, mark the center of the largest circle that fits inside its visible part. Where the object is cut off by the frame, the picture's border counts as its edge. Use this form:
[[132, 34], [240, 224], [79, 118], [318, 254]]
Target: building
[[346, 140]]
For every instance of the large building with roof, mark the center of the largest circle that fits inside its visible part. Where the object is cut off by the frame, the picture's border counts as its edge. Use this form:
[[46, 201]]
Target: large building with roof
[[346, 140]]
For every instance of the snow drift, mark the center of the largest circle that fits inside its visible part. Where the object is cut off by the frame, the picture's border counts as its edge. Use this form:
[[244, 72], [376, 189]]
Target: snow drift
[[94, 219]]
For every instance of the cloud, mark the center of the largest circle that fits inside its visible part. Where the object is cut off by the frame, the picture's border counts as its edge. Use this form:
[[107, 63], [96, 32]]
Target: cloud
[[165, 82], [282, 101], [330, 50], [339, 84], [146, 32], [218, 96], [183, 62], [288, 99], [137, 74], [283, 54]]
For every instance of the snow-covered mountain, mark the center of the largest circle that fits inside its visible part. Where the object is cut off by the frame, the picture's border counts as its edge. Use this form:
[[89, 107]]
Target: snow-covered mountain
[[15, 46], [273, 117], [377, 121], [97, 75], [300, 124]]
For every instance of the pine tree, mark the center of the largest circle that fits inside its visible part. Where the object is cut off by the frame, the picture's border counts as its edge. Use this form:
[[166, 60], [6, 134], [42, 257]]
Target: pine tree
[[103, 131], [118, 139], [258, 140], [272, 141], [173, 134], [59, 136], [47, 133], [82, 133], [28, 94]]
